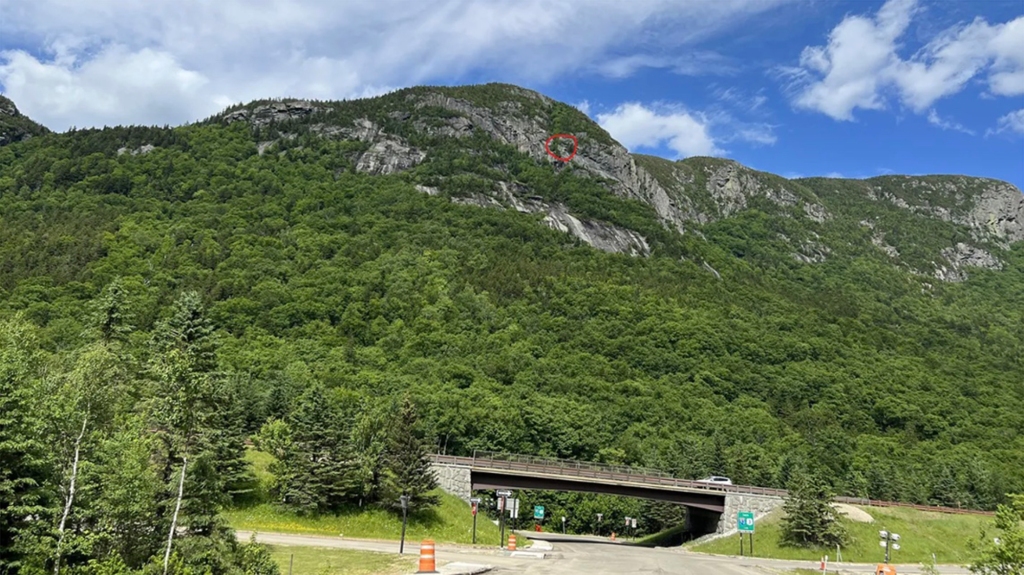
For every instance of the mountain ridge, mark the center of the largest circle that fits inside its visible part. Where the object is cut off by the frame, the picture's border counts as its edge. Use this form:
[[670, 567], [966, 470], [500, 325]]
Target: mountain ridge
[[394, 133]]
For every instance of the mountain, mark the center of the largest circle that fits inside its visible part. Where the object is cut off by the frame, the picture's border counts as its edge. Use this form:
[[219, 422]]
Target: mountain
[[14, 126], [423, 242], [982, 217]]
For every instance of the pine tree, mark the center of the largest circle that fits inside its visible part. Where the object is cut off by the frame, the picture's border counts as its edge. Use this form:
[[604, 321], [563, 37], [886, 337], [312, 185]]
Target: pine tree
[[408, 463], [811, 519], [319, 471], [185, 412], [22, 472]]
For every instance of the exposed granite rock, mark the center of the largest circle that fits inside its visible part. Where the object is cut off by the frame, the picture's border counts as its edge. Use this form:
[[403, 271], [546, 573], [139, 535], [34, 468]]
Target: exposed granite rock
[[388, 156], [15, 126], [600, 235], [962, 256], [1000, 211], [613, 163], [816, 212], [140, 151], [272, 112]]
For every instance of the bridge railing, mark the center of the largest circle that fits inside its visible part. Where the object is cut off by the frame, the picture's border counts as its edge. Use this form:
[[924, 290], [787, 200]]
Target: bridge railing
[[653, 477]]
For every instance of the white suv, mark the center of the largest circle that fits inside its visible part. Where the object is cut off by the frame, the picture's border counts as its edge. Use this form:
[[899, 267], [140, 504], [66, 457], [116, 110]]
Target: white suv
[[716, 480]]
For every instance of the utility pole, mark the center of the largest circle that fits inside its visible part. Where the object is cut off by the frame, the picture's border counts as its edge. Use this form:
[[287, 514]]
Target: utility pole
[[405, 507]]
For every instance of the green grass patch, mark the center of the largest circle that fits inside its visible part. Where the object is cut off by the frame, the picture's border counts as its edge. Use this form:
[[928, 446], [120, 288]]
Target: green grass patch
[[449, 522], [922, 534], [317, 561], [667, 538]]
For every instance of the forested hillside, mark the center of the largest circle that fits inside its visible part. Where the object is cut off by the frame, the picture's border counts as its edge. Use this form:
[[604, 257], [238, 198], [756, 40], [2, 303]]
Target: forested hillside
[[264, 265]]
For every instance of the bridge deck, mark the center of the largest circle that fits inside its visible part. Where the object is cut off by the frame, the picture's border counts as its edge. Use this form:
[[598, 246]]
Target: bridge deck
[[529, 472]]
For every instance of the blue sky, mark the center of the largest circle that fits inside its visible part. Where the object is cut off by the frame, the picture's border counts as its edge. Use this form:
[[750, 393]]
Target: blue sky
[[855, 88]]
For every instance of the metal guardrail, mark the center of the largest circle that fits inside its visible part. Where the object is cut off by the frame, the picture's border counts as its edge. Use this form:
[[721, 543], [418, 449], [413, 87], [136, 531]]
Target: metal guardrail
[[486, 460]]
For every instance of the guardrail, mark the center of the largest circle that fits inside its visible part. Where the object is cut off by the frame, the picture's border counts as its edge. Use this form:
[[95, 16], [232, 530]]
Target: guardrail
[[490, 461]]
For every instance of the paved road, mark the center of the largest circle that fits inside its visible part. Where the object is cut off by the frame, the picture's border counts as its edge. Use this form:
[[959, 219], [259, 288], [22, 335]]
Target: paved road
[[572, 555]]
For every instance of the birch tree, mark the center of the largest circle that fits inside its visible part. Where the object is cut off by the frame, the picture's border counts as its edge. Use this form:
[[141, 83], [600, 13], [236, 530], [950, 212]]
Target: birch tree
[[183, 365]]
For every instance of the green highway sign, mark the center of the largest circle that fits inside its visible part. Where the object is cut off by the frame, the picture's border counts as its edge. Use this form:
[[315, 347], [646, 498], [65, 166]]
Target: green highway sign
[[538, 512], [745, 523]]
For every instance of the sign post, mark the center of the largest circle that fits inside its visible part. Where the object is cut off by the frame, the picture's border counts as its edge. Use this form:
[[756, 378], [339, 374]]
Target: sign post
[[405, 507], [563, 525], [475, 502], [597, 529], [745, 524], [538, 514], [502, 495]]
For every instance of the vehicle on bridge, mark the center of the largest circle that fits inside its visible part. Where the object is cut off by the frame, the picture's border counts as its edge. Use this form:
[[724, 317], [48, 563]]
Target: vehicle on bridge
[[717, 480]]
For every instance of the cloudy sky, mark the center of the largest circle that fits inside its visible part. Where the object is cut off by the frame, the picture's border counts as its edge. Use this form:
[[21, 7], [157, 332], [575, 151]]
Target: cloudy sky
[[797, 87]]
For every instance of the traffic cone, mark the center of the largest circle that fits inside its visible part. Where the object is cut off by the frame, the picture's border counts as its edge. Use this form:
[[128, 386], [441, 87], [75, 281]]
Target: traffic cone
[[822, 563], [511, 541], [427, 563]]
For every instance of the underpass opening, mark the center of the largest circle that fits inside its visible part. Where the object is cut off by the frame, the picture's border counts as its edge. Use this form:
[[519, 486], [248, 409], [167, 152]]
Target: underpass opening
[[703, 510]]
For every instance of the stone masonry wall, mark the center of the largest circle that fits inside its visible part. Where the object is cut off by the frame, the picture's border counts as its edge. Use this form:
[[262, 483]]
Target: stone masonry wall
[[454, 479], [761, 505]]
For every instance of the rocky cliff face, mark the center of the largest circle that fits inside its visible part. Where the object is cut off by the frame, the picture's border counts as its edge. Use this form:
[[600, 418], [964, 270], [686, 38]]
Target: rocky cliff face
[[398, 130], [15, 126]]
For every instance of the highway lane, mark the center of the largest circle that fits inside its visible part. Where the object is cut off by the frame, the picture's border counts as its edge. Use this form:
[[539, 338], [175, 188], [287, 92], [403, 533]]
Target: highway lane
[[582, 555]]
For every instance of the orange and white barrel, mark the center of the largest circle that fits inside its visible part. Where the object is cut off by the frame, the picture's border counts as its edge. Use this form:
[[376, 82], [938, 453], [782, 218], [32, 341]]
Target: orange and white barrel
[[511, 541], [428, 564]]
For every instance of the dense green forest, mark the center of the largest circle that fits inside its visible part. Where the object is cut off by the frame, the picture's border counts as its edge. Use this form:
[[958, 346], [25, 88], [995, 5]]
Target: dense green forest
[[168, 306]]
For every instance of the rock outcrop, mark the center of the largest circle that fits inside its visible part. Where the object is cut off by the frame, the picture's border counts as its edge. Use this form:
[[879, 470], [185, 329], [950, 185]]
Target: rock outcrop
[[15, 126], [265, 114]]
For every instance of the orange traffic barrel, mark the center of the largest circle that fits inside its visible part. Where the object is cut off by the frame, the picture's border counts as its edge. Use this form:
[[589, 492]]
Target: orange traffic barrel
[[427, 562], [511, 541]]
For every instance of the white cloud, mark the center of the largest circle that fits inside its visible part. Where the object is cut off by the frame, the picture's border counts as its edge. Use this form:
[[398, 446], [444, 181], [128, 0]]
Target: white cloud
[[860, 67], [935, 120], [685, 132], [1012, 122], [636, 126], [123, 61], [692, 64], [584, 107]]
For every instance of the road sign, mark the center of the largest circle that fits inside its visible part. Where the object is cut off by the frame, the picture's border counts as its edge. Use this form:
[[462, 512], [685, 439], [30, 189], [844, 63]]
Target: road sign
[[503, 493], [474, 508], [627, 521], [501, 504], [634, 523], [745, 524], [599, 516], [513, 508], [475, 500], [538, 512]]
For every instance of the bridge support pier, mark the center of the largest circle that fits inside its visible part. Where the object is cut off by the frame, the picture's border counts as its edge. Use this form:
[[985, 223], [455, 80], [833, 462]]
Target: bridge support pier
[[455, 479], [761, 505]]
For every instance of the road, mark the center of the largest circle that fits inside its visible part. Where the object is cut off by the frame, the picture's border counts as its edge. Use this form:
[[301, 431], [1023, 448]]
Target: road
[[572, 555]]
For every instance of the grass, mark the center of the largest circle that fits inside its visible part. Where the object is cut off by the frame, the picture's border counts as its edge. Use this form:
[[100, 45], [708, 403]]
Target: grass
[[316, 561], [922, 534], [450, 522], [666, 538]]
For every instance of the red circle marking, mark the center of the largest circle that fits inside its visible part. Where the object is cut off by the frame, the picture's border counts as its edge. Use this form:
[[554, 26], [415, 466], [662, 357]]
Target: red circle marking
[[575, 146]]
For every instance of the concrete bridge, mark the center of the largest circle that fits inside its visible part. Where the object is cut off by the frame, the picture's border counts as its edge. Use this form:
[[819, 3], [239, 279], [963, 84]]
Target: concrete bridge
[[710, 508]]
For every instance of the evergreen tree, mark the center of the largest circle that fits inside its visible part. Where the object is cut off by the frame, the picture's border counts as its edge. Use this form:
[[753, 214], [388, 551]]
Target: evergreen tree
[[811, 519], [22, 471], [408, 463], [185, 412], [319, 467]]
